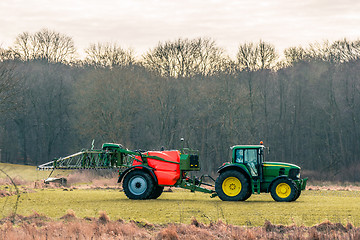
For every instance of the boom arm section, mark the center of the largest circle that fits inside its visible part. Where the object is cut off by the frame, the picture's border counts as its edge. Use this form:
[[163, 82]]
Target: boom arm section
[[109, 157]]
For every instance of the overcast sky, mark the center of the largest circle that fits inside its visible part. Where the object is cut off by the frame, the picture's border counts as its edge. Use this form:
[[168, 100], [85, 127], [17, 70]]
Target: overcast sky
[[141, 24]]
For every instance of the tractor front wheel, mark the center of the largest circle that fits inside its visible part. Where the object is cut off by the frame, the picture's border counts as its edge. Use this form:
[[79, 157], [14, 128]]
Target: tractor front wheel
[[232, 186], [284, 190], [138, 185], [297, 195]]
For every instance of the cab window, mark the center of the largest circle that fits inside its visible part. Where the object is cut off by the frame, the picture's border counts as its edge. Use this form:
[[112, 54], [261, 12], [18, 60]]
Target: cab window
[[239, 156]]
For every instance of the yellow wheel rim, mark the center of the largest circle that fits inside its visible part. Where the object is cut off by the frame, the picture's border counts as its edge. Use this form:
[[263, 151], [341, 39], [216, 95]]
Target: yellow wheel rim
[[231, 186], [283, 190]]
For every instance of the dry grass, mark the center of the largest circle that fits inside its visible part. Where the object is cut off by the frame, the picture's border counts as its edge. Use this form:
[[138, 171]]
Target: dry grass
[[99, 178], [37, 226], [344, 174], [16, 180], [30, 178], [328, 186], [26, 173]]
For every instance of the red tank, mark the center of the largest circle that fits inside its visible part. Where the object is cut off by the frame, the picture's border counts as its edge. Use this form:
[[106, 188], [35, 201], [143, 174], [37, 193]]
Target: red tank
[[166, 173]]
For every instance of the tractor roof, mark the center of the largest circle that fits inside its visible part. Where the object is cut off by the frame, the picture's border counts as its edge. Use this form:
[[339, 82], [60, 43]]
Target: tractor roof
[[247, 146]]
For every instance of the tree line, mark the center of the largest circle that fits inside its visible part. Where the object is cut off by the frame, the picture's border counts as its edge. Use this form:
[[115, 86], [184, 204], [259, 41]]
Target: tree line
[[302, 104]]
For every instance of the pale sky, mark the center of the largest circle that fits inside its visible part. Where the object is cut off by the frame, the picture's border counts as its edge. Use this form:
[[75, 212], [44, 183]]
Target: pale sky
[[141, 24]]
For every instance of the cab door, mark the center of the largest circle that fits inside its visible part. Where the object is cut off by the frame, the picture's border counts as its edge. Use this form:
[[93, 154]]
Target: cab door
[[249, 157], [251, 160]]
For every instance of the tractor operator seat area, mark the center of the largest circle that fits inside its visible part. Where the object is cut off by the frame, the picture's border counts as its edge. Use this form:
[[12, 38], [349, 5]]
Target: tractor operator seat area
[[248, 157]]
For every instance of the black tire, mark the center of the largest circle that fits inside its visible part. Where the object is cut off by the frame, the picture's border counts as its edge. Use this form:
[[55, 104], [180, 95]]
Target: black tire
[[157, 191], [232, 185], [138, 185], [283, 190], [297, 195], [248, 194]]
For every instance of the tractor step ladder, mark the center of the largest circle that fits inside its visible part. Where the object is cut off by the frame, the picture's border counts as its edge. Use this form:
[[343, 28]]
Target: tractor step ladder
[[256, 186]]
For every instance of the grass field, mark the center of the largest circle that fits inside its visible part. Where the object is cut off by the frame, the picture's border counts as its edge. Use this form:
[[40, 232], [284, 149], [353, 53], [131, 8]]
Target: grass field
[[180, 206]]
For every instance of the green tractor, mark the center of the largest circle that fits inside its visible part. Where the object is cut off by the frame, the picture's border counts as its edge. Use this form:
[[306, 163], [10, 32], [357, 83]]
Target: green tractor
[[248, 173]]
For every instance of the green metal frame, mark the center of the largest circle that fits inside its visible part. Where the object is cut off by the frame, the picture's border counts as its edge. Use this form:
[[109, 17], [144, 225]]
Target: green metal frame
[[115, 156]]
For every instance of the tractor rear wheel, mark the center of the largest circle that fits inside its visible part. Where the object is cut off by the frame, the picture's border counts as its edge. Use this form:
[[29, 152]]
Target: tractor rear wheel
[[248, 194], [232, 185], [138, 185], [284, 190]]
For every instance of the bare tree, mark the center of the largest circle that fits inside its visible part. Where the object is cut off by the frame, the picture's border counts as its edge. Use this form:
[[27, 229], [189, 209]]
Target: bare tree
[[253, 60], [109, 55], [337, 52], [347, 51], [253, 57], [267, 55], [6, 54], [45, 45], [186, 58], [211, 58], [39, 126], [294, 54], [111, 100], [23, 46], [9, 85]]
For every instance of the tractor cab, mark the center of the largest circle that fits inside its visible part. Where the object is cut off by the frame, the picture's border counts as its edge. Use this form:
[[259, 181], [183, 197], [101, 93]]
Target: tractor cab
[[251, 156]]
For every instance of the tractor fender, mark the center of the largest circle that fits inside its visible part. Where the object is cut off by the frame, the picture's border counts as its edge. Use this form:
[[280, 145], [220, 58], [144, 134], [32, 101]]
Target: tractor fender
[[141, 168], [236, 167], [272, 182]]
